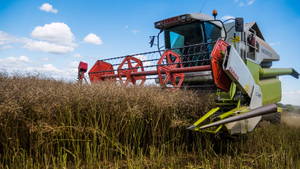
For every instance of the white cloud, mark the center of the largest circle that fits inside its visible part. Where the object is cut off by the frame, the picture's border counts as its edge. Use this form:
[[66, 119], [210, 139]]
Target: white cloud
[[291, 97], [78, 56], [143, 58], [275, 43], [6, 47], [69, 72], [12, 60], [45, 59], [55, 32], [289, 94], [48, 8], [245, 2], [23, 64], [5, 38], [47, 47], [14, 63], [48, 68], [250, 2], [51, 71], [73, 64], [126, 27], [54, 38], [93, 39], [24, 59], [136, 31]]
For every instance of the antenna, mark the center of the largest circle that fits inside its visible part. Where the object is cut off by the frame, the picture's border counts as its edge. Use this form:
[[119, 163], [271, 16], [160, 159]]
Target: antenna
[[202, 7]]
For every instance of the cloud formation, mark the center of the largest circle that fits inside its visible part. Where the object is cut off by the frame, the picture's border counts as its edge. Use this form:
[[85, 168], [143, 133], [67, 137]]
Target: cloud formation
[[6, 47], [55, 32], [6, 38], [275, 43], [47, 47], [73, 64], [291, 97], [93, 39], [54, 38], [23, 64], [143, 58], [48, 68], [14, 60], [78, 56], [48, 8], [244, 2], [135, 31], [15, 63]]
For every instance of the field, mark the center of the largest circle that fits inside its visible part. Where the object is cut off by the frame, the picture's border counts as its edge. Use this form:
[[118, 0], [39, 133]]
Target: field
[[46, 123]]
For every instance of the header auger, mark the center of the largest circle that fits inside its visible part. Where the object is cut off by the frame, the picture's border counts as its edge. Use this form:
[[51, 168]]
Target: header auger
[[207, 54]]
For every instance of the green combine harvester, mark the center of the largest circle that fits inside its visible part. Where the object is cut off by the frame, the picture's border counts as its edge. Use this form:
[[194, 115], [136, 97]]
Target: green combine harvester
[[230, 59]]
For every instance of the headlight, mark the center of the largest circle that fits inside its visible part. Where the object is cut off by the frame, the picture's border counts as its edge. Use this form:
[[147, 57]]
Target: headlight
[[157, 23], [183, 17]]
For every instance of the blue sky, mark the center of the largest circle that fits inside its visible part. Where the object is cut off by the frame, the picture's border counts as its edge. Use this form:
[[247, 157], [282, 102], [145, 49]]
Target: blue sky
[[51, 37]]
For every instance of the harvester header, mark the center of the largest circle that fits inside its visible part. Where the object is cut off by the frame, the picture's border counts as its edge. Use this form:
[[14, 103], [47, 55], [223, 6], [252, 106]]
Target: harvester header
[[203, 53]]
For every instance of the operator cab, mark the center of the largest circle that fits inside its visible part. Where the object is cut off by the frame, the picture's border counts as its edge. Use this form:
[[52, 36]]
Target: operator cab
[[184, 31], [182, 34], [190, 29]]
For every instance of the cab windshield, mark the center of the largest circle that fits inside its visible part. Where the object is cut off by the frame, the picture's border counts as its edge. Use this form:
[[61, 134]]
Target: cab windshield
[[189, 34]]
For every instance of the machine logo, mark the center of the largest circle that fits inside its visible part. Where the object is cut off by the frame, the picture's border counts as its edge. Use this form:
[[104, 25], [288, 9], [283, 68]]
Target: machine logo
[[233, 73], [169, 20], [258, 94], [266, 52]]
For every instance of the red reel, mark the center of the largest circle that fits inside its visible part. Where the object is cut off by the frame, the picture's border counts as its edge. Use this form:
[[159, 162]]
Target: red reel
[[170, 55], [130, 69]]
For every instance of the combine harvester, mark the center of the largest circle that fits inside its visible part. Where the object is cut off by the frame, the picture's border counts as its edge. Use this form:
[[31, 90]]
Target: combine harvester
[[231, 60]]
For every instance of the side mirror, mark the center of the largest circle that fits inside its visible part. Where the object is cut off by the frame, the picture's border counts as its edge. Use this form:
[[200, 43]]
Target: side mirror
[[151, 41], [239, 24]]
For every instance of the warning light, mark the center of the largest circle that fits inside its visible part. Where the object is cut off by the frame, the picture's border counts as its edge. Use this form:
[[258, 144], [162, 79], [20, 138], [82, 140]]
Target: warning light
[[215, 13]]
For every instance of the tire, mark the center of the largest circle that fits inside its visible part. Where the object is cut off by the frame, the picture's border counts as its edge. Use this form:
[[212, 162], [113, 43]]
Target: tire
[[274, 118]]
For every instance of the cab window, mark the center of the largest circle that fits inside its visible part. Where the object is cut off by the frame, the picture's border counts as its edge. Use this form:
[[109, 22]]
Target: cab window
[[183, 35], [212, 32], [176, 40]]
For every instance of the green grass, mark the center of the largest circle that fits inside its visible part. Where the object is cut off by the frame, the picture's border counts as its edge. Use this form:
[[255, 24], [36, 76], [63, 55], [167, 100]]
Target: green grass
[[45, 123]]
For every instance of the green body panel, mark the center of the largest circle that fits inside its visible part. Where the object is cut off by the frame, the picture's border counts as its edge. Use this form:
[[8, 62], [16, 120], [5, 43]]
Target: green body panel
[[254, 69], [228, 96], [271, 90], [232, 90], [233, 112], [275, 72], [211, 112]]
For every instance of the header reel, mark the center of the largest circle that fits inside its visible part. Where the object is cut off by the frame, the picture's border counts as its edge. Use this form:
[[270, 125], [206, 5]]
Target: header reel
[[173, 68]]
